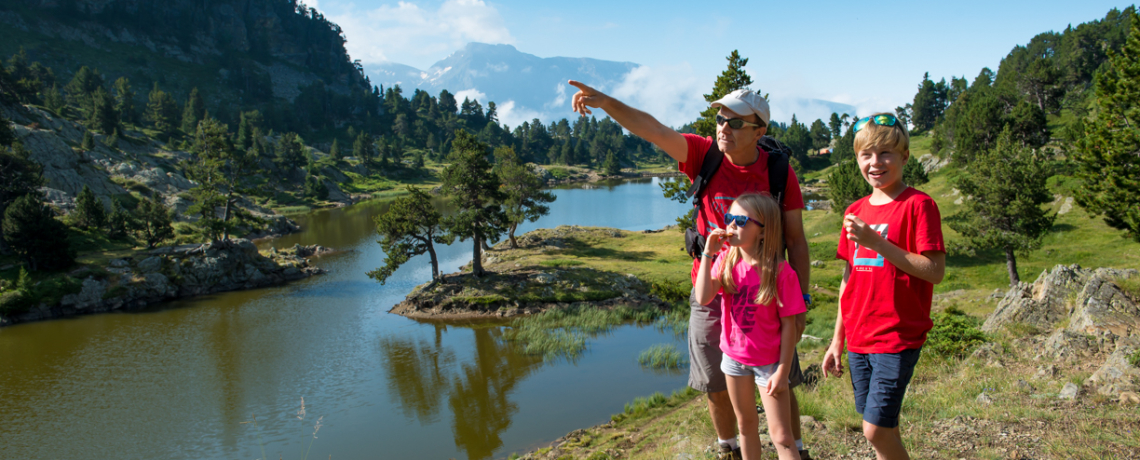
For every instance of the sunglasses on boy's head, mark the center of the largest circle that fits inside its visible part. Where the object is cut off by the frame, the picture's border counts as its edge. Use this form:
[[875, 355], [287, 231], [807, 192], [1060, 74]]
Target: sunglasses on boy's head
[[884, 119], [734, 123], [740, 221]]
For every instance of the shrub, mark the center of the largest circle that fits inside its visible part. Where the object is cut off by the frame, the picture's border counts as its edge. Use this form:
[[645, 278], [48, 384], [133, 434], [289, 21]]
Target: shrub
[[955, 334]]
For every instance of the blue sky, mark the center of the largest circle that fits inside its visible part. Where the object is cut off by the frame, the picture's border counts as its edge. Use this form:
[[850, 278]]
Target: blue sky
[[868, 55]]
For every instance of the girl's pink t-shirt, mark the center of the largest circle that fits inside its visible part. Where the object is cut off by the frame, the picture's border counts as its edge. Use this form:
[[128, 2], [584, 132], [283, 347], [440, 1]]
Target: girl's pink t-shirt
[[750, 332]]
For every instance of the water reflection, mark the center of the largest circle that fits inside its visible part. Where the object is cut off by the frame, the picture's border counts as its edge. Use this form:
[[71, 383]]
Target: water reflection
[[479, 396], [417, 374]]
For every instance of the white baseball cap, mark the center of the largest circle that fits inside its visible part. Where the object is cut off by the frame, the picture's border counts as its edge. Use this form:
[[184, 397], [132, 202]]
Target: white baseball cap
[[745, 102]]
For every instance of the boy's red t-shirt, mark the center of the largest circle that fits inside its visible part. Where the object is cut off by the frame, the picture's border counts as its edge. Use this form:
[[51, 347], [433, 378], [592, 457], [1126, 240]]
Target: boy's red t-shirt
[[729, 182], [886, 310]]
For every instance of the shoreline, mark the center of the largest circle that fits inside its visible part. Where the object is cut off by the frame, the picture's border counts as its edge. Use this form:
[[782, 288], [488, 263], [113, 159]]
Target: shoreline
[[174, 273]]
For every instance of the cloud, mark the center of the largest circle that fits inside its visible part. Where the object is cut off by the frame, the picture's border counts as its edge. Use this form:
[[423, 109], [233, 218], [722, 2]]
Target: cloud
[[408, 33], [514, 116], [559, 97], [672, 94], [472, 94]]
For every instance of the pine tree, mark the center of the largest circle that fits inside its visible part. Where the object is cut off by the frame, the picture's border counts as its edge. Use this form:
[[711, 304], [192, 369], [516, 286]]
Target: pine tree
[[19, 175], [219, 169], [834, 124], [119, 220], [89, 212], [611, 166], [192, 112], [33, 233], [361, 148], [411, 227], [334, 151], [730, 80], [154, 221], [290, 151], [82, 86], [53, 100], [476, 194], [1109, 166], [315, 188], [160, 110], [125, 101], [844, 147], [1005, 191], [525, 200], [914, 174], [102, 116], [88, 143], [845, 185], [820, 136]]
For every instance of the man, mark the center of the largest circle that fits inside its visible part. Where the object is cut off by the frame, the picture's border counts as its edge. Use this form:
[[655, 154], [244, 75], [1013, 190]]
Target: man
[[743, 170]]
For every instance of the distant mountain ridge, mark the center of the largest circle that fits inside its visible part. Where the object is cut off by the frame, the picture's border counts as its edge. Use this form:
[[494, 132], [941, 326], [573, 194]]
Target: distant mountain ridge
[[502, 74]]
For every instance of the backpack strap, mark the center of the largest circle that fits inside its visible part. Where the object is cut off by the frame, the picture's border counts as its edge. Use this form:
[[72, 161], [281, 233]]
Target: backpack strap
[[709, 166], [778, 155]]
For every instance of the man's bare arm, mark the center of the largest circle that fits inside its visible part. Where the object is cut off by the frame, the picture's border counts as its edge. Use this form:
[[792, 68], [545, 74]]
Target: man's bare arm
[[639, 123], [798, 258]]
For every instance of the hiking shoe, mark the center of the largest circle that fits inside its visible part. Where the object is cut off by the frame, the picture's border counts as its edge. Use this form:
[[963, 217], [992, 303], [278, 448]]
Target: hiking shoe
[[804, 455], [728, 453]]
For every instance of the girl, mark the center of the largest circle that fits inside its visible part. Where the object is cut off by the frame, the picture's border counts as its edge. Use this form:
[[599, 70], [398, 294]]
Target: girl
[[760, 298]]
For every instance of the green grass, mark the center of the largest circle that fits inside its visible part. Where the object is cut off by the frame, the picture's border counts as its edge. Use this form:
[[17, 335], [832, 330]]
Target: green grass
[[662, 356]]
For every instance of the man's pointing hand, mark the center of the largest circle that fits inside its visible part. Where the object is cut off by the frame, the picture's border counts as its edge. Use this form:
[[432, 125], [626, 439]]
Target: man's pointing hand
[[585, 98]]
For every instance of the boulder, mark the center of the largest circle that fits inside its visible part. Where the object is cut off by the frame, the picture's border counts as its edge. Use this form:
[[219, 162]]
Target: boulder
[[1069, 391], [1103, 308], [150, 264], [1047, 301], [1117, 374], [89, 296]]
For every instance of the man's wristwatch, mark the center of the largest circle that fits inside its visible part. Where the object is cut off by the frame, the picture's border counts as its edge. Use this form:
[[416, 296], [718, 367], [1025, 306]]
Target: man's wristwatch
[[807, 299]]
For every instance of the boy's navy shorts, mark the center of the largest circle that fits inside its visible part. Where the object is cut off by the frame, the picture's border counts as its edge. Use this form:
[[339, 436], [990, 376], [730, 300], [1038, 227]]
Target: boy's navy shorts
[[880, 381]]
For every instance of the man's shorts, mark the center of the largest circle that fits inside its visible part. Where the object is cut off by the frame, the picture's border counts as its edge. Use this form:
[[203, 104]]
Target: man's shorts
[[880, 381], [705, 374]]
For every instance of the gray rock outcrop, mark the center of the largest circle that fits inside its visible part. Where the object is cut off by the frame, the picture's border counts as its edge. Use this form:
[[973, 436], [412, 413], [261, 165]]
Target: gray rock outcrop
[[1047, 302]]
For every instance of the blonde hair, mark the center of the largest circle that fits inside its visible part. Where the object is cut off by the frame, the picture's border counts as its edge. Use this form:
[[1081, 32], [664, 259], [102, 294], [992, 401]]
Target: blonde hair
[[768, 254], [894, 138]]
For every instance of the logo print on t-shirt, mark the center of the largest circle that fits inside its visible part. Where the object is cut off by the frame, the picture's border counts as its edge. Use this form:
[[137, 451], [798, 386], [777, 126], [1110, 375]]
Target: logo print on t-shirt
[[720, 205], [743, 309], [871, 258]]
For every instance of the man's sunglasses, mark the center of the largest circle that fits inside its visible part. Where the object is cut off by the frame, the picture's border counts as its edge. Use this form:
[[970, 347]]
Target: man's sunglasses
[[884, 119], [734, 123], [740, 221]]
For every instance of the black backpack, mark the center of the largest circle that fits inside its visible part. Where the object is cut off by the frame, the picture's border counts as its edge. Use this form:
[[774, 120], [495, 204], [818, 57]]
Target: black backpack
[[778, 155]]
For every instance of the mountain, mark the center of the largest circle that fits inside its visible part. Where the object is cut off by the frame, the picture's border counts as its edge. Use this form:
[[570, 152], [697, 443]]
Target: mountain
[[514, 80]]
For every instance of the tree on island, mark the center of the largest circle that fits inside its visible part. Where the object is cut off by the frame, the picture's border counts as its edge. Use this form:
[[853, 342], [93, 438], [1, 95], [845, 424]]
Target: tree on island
[[411, 227], [33, 233], [476, 194], [525, 199], [1005, 191], [1108, 162]]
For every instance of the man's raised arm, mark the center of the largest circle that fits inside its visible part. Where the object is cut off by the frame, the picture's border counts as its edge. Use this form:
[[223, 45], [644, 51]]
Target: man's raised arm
[[639, 123]]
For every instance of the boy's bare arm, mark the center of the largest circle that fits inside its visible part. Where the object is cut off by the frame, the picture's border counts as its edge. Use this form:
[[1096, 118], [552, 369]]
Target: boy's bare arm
[[929, 266]]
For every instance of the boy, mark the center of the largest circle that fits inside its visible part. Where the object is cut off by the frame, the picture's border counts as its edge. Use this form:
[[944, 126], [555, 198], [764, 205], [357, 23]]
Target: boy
[[892, 242]]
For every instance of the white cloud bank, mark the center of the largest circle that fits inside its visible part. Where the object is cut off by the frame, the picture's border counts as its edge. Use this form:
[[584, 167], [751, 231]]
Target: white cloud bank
[[408, 33], [672, 94]]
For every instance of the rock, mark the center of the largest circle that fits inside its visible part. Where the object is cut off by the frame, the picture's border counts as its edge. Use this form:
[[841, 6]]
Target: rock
[[1103, 308], [1069, 391], [544, 278], [1063, 344], [1046, 302], [1046, 372], [150, 264], [1022, 385], [1067, 206], [90, 295], [984, 399], [931, 163], [817, 263], [1117, 375], [1128, 397], [119, 263]]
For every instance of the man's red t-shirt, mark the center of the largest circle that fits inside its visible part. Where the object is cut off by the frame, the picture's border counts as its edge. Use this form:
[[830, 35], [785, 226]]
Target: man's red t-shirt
[[729, 182], [886, 310]]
